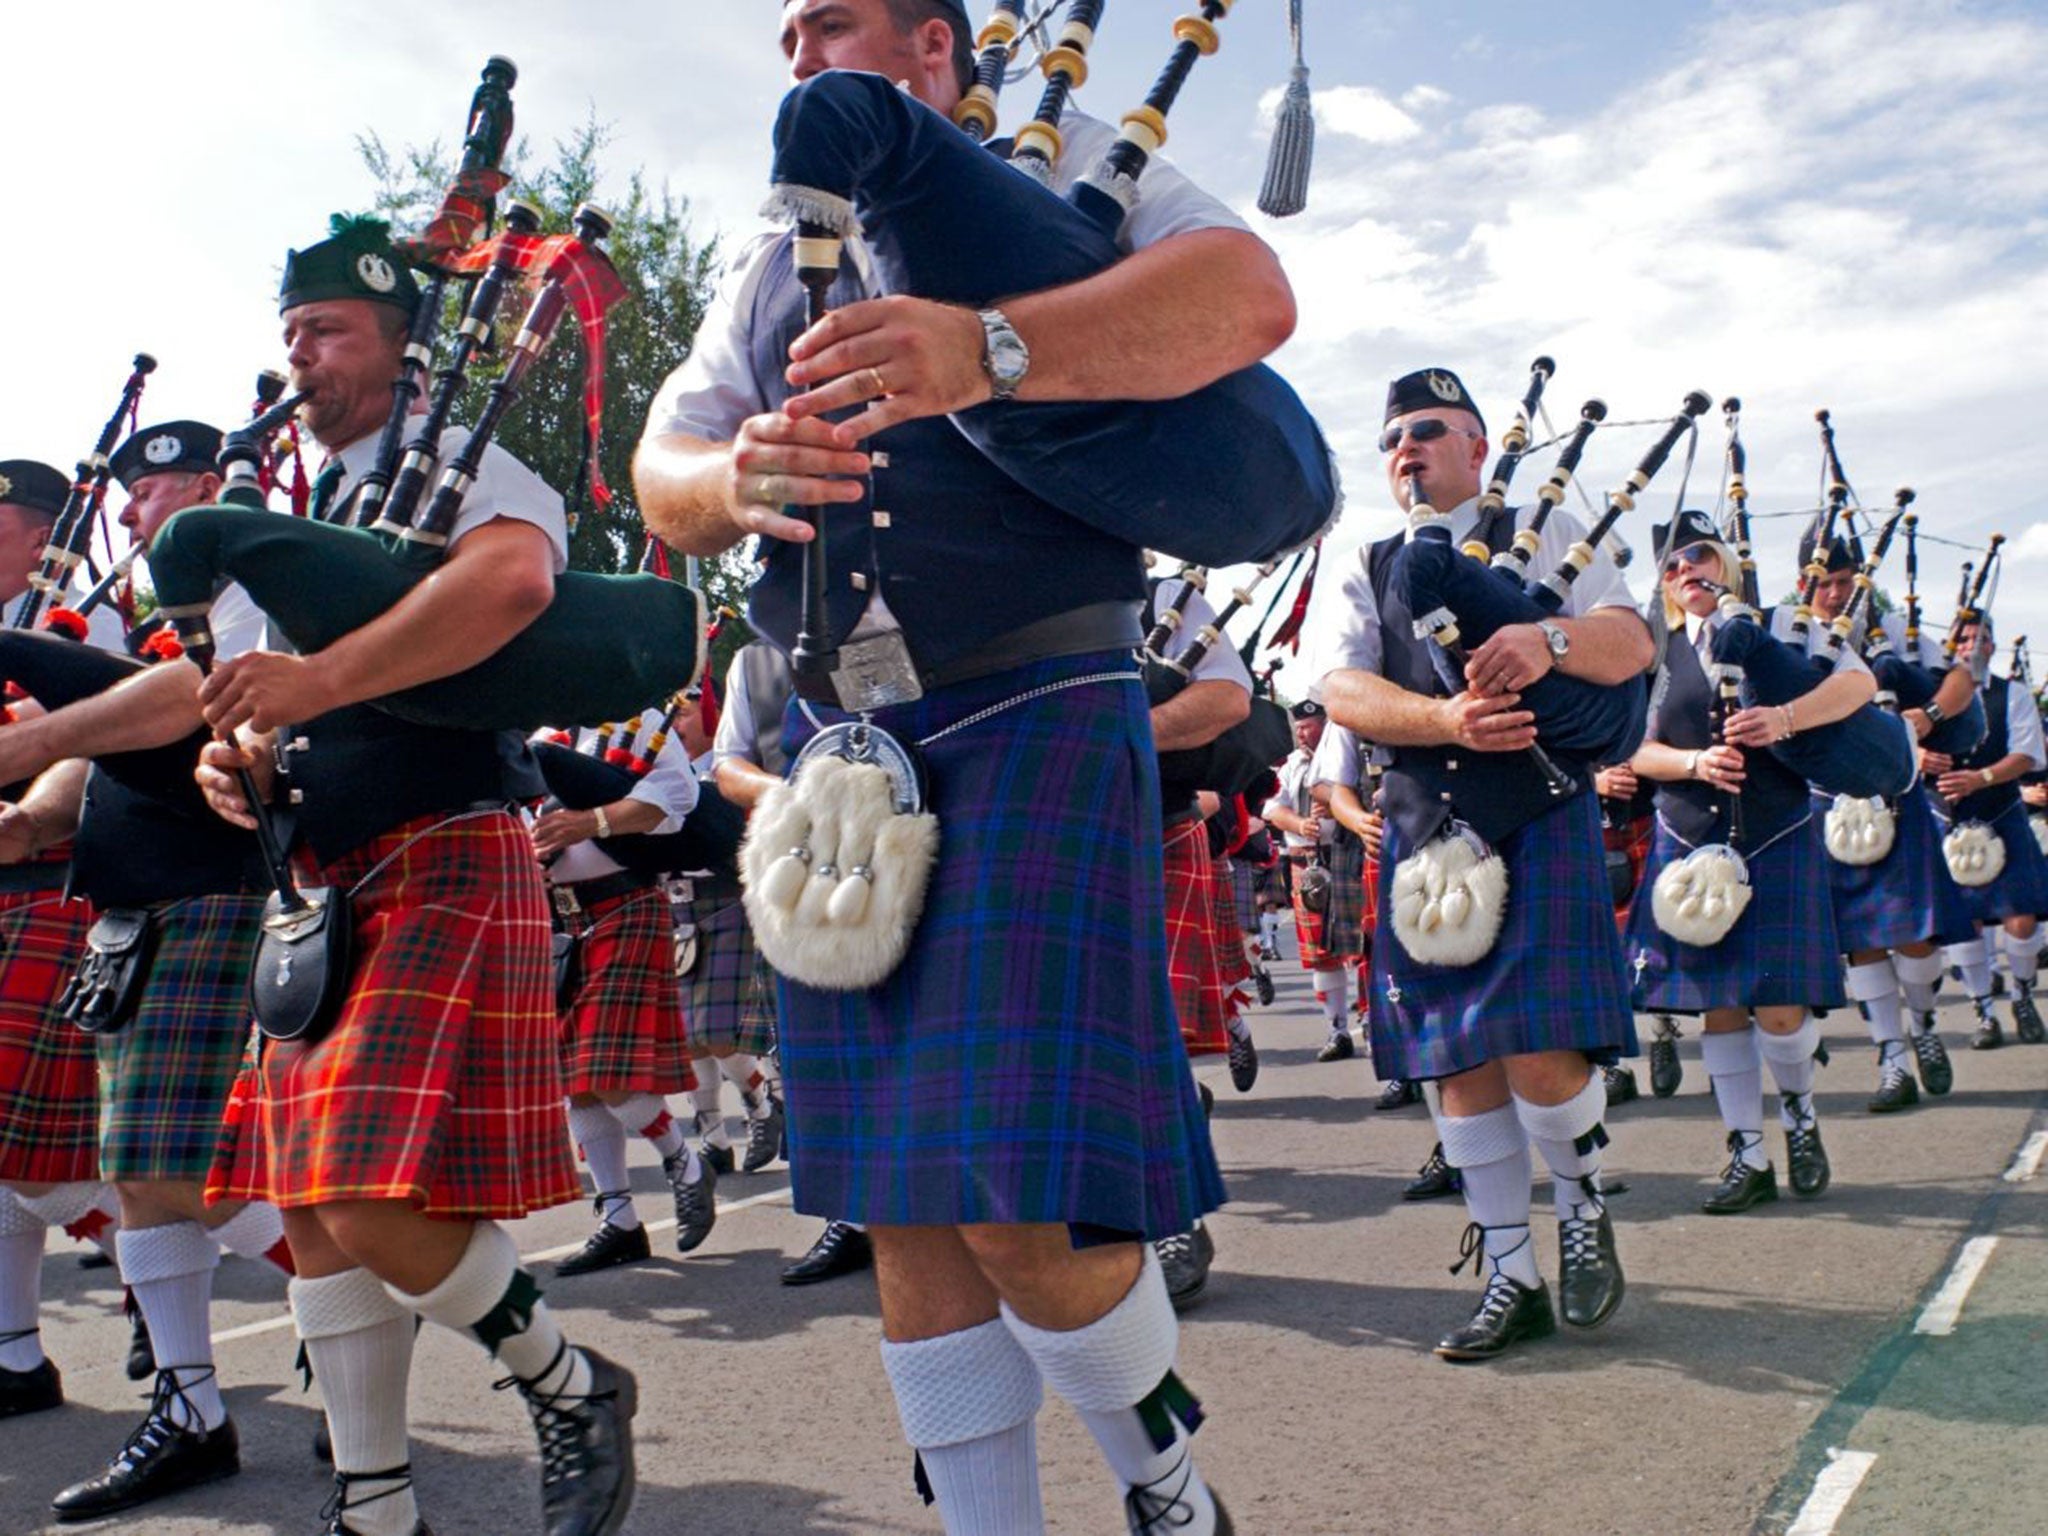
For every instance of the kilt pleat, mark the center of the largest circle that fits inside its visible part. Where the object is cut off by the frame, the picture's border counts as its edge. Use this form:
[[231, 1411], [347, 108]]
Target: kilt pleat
[[170, 1069], [730, 992], [1553, 981], [1782, 951], [1193, 964], [1244, 894], [49, 1082], [2021, 889], [622, 1031], [441, 1082], [1022, 1064], [1336, 934], [1906, 896]]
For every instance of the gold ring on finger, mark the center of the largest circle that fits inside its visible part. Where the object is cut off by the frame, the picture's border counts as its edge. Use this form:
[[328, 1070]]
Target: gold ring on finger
[[877, 385]]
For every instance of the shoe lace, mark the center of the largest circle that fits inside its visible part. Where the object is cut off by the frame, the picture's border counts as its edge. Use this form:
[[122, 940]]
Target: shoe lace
[[1177, 1249], [339, 1502], [1738, 1167], [158, 1427], [1803, 1140], [1578, 1239], [1472, 1248], [1891, 1064], [692, 1201], [560, 1419], [1435, 1165], [1497, 1300], [1667, 1029], [1152, 1507], [1804, 1121], [608, 1201]]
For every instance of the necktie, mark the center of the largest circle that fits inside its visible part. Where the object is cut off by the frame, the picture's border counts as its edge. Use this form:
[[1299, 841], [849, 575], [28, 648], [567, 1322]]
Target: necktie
[[325, 485]]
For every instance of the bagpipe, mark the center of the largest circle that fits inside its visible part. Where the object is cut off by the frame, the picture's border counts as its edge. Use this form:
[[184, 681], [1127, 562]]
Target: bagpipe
[[71, 534], [1908, 683], [1232, 763], [1236, 471], [603, 646], [1460, 602], [580, 780]]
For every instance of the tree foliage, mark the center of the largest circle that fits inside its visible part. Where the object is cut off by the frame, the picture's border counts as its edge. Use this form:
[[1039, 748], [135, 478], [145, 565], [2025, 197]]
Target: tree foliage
[[669, 275]]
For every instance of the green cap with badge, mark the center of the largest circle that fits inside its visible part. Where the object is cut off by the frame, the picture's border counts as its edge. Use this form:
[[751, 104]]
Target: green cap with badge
[[356, 261]]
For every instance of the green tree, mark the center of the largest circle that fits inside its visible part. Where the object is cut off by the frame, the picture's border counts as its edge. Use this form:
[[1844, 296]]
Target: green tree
[[669, 275]]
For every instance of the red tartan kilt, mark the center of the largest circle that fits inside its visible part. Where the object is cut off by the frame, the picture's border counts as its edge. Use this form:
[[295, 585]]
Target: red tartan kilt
[[1632, 838], [441, 1082], [1192, 966], [49, 1074], [1233, 965], [623, 1030]]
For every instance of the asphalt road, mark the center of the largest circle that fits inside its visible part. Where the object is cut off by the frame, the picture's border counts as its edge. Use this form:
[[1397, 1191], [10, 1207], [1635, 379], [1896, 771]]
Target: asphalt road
[[1765, 1374]]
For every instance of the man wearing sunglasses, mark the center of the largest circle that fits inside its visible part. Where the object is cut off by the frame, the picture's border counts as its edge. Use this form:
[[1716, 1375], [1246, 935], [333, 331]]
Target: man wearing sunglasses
[[1511, 1038]]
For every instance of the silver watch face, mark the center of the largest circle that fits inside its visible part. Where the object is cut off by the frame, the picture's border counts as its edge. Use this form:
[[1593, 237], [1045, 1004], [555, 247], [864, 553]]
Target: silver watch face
[[1557, 639], [1008, 359]]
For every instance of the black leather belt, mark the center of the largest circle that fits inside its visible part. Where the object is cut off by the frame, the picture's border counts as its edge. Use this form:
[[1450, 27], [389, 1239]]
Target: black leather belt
[[576, 899], [32, 879], [1106, 626]]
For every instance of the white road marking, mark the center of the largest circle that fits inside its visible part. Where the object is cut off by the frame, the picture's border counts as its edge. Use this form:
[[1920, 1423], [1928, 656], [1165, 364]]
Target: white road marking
[[1832, 1491], [1940, 1317], [2028, 1162], [545, 1255]]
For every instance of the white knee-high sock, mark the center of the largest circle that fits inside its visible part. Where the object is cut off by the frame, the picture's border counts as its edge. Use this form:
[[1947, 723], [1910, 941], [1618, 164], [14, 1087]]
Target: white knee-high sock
[[1571, 1139], [170, 1270], [969, 1403], [1973, 958], [1491, 1151], [256, 1232], [1117, 1372], [1919, 975], [1736, 1070], [22, 1234], [359, 1344], [707, 1103], [1874, 988], [603, 1140], [1330, 994], [2023, 957], [1790, 1058], [646, 1115], [488, 1296], [86, 1209]]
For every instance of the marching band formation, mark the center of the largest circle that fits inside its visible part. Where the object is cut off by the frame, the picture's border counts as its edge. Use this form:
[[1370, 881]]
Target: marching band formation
[[383, 849]]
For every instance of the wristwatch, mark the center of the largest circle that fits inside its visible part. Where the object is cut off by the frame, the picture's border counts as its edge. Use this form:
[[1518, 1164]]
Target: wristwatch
[[1934, 712], [1559, 642], [1004, 357]]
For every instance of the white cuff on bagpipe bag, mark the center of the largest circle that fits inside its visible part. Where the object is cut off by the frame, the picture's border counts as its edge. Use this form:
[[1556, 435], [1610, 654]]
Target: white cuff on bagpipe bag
[[836, 863], [1860, 830], [1450, 897], [1975, 853], [1698, 898]]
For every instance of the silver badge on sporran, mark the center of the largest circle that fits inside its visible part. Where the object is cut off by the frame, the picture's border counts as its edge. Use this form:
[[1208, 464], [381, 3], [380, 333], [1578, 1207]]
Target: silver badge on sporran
[[837, 858]]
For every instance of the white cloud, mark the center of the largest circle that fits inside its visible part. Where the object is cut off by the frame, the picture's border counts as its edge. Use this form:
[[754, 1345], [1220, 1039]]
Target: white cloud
[[1425, 98], [1356, 112]]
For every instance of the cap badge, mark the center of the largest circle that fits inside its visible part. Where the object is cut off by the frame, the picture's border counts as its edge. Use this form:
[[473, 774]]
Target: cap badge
[[6, 487], [376, 272], [1445, 388], [162, 450]]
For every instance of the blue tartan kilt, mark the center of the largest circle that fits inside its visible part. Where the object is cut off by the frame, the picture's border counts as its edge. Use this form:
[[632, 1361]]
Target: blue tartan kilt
[[1553, 982], [1023, 1064], [168, 1071], [2021, 889], [1906, 896], [1782, 951]]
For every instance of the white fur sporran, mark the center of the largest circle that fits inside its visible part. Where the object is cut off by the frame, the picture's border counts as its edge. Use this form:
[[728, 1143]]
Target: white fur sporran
[[836, 861], [1450, 897], [1700, 897], [1860, 830], [1975, 853]]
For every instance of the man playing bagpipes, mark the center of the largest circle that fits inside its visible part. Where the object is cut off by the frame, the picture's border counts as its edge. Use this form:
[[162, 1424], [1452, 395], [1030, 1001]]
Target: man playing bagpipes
[[431, 1107], [1511, 1036], [1980, 801], [49, 1105], [732, 994], [1328, 859], [623, 1043], [1893, 913], [1047, 881], [178, 896]]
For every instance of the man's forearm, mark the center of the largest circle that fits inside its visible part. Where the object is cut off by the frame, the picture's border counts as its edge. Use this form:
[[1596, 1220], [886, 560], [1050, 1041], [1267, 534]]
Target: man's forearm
[[1198, 714], [1609, 645], [1159, 324], [680, 484], [1382, 711], [153, 709], [742, 782], [55, 801], [1953, 696]]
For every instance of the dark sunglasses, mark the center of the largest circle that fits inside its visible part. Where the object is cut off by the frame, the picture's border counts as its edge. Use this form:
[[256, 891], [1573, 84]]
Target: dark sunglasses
[[1428, 430], [1692, 554]]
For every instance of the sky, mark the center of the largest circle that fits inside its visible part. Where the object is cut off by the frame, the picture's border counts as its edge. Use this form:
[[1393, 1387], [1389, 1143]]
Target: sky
[[1838, 206]]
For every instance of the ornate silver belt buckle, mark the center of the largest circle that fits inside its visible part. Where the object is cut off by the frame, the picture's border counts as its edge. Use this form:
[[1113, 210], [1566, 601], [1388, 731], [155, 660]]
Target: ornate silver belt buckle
[[874, 672]]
